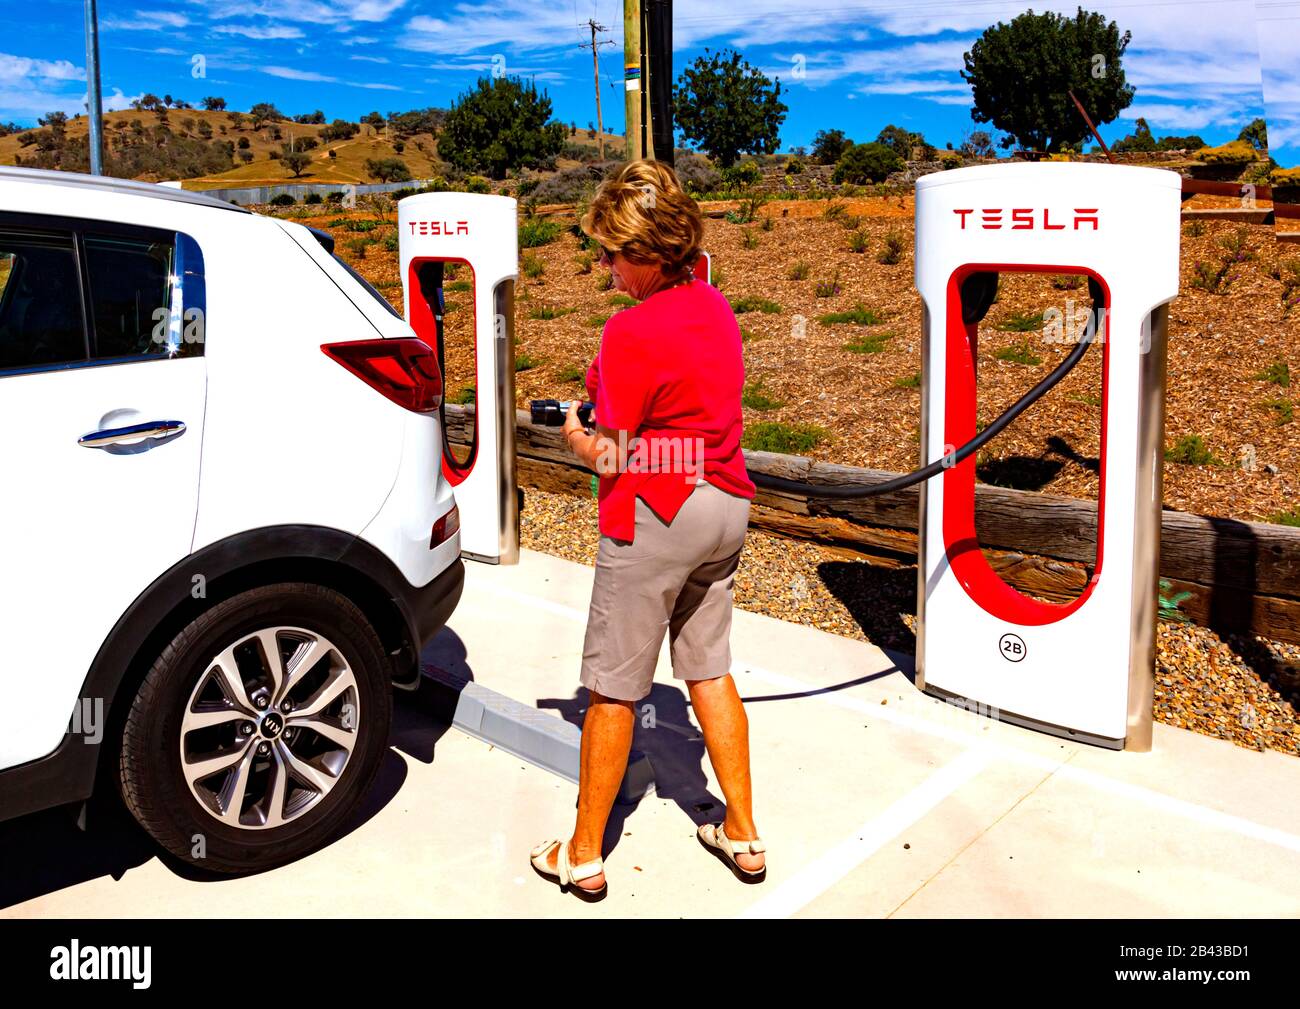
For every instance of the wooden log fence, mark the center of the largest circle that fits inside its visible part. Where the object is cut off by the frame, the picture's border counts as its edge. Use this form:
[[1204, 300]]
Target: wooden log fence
[[1242, 576]]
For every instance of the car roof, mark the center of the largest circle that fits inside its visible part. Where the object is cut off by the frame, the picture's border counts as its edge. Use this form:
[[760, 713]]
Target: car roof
[[104, 183]]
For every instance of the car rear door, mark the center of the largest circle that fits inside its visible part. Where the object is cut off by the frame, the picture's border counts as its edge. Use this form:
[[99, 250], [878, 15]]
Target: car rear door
[[102, 392]]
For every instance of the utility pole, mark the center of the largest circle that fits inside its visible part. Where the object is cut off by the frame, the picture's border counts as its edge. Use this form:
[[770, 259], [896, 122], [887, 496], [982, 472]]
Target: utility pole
[[635, 119], [594, 46], [94, 106]]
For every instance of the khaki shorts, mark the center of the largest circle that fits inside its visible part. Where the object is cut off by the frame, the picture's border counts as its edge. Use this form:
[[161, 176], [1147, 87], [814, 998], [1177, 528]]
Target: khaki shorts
[[676, 577]]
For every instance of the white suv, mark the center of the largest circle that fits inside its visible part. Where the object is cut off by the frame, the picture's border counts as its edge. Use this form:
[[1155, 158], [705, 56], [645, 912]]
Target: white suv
[[222, 547]]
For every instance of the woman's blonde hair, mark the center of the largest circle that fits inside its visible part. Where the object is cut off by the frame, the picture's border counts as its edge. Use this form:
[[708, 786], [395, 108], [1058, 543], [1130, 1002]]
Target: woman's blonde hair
[[643, 212]]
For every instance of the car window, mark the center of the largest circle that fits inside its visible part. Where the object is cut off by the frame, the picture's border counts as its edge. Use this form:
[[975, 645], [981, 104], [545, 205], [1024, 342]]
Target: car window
[[40, 302], [368, 286], [133, 282]]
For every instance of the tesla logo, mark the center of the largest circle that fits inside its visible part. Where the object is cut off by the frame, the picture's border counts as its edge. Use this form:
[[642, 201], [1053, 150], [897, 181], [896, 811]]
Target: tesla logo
[[439, 227], [1029, 219]]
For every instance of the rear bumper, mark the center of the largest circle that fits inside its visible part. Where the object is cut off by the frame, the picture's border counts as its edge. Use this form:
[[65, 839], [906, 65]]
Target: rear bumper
[[429, 606]]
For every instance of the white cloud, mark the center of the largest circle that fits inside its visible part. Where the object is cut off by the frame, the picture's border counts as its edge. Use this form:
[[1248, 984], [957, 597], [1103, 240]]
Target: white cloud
[[22, 68], [147, 21], [370, 59], [360, 40], [117, 102], [255, 32], [290, 74]]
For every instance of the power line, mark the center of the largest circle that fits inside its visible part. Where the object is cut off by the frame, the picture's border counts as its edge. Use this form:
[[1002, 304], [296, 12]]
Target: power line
[[594, 45]]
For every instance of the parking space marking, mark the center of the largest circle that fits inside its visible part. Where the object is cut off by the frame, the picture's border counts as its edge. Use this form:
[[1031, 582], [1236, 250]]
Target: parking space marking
[[826, 870], [1192, 811]]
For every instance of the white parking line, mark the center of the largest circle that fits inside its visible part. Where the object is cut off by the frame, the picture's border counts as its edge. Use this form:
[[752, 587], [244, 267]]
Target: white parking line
[[1196, 813], [822, 873]]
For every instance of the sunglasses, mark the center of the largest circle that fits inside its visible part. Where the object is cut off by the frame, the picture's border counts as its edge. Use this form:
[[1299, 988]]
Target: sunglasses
[[606, 256]]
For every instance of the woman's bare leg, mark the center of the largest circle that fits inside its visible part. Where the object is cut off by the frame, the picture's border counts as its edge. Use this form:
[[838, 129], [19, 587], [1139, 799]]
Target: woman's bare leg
[[606, 743], [726, 737]]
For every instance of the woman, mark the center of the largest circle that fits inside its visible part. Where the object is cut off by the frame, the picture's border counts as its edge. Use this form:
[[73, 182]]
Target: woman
[[674, 503]]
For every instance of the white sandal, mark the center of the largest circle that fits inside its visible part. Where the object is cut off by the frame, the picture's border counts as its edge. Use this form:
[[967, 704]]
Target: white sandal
[[712, 837], [568, 875]]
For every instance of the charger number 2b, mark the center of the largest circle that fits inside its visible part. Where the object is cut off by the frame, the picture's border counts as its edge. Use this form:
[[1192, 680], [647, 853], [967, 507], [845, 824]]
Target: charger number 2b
[[1012, 647]]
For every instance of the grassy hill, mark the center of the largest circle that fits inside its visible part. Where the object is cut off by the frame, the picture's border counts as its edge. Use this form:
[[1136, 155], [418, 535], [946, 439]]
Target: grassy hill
[[200, 127]]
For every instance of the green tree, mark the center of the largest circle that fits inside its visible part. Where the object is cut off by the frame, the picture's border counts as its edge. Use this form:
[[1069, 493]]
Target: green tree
[[213, 103], [725, 106], [828, 145], [374, 119], [297, 162], [501, 124], [387, 169], [1140, 140], [1021, 74], [1256, 133], [902, 141], [264, 112], [863, 163]]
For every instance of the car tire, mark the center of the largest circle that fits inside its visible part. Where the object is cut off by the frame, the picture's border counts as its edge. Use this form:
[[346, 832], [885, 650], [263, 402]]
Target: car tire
[[276, 792]]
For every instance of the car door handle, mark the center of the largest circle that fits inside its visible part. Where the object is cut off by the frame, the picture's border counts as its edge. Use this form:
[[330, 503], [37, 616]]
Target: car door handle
[[158, 430]]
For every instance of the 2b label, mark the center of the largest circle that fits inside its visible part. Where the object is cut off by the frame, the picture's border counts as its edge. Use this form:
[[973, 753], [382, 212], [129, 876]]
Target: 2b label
[[1012, 647]]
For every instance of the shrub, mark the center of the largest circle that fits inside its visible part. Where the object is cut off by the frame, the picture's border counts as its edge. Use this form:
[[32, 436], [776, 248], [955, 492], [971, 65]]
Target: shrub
[[477, 184], [283, 200], [749, 240], [584, 261], [754, 304], [533, 266], [756, 399], [1191, 450], [538, 231], [892, 253], [871, 343], [912, 381], [334, 198], [1279, 373], [313, 198], [622, 300], [568, 186], [526, 362], [1237, 153], [387, 169], [799, 271], [858, 316], [1019, 353], [1021, 322], [741, 176], [572, 373], [1194, 229], [794, 167], [547, 312], [1283, 408], [864, 163], [829, 288], [772, 436], [697, 173], [1286, 518], [950, 160]]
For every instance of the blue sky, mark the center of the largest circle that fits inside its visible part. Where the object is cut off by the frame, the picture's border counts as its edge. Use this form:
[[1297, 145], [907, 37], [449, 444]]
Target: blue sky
[[851, 64]]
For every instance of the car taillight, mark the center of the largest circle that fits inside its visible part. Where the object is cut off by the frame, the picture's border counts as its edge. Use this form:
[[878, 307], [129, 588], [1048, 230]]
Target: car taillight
[[445, 528], [404, 370]]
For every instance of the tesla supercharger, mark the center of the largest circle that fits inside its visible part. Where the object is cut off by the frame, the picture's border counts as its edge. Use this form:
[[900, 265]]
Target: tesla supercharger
[[480, 233], [1085, 668]]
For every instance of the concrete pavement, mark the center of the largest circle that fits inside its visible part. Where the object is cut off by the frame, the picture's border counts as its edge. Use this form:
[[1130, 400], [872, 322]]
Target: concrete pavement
[[874, 800]]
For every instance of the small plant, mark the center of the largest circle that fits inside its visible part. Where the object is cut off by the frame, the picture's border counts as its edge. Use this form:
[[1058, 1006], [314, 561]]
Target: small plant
[[1286, 518], [1279, 373], [1288, 274], [525, 362], [909, 381], [1194, 229], [622, 300], [746, 334], [850, 222], [451, 271], [773, 436], [361, 225], [799, 271], [1169, 603], [716, 277], [605, 282], [746, 212], [1191, 450], [1088, 398], [1021, 322], [1067, 281], [858, 316], [597, 320], [459, 285], [858, 242], [572, 373], [892, 253], [756, 399], [829, 288], [533, 266], [547, 312], [754, 304], [584, 261], [390, 242], [357, 246], [466, 395], [834, 211], [768, 224], [1019, 353], [871, 343], [538, 231], [1283, 408], [283, 200], [749, 240]]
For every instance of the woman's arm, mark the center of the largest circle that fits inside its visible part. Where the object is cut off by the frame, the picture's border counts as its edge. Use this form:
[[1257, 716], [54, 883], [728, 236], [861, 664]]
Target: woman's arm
[[603, 452]]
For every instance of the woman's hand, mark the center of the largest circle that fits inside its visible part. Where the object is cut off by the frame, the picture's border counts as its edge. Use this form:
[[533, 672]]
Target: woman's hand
[[571, 421], [598, 450]]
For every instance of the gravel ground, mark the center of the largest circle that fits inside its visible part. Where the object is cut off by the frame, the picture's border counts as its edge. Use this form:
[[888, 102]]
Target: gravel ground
[[1244, 689]]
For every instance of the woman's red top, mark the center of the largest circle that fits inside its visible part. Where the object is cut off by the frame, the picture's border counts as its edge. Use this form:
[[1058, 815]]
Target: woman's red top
[[670, 372]]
